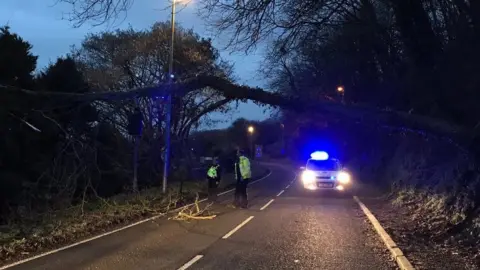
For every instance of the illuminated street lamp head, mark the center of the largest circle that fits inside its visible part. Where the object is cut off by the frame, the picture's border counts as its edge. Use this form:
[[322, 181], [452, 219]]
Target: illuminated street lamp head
[[340, 89], [251, 129]]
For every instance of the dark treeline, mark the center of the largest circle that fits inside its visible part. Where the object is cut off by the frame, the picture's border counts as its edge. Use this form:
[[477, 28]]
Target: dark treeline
[[54, 154], [210, 142], [418, 56]]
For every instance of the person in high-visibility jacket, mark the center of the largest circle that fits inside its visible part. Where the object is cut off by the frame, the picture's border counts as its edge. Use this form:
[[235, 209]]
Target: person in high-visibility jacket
[[243, 174], [213, 176]]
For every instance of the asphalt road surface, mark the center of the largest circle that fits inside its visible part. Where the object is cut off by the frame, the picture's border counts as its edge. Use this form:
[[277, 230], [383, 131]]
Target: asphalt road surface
[[294, 231]]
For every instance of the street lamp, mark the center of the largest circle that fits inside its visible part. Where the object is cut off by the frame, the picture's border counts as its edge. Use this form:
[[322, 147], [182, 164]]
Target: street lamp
[[283, 138], [341, 90], [168, 113], [251, 130]]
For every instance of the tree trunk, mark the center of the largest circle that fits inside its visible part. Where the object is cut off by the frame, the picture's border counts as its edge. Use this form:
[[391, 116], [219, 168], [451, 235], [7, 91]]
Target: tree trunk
[[417, 33], [136, 142]]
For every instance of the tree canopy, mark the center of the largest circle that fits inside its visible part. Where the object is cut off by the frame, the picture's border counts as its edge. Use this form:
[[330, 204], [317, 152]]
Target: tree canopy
[[62, 143], [390, 55]]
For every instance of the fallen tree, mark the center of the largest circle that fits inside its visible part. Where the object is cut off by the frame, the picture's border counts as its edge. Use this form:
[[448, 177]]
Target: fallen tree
[[406, 122]]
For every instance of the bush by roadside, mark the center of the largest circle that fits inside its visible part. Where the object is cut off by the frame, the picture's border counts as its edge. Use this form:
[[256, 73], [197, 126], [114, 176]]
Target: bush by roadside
[[433, 201], [38, 232], [404, 222]]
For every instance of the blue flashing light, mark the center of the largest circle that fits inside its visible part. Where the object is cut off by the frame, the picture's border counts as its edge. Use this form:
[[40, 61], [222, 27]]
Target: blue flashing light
[[319, 155]]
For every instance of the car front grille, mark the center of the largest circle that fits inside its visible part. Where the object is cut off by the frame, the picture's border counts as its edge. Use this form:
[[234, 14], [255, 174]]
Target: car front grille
[[323, 177]]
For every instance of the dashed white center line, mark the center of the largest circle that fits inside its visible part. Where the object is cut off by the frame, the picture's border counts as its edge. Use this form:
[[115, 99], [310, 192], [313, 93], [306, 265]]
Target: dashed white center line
[[287, 186], [280, 193], [237, 228], [267, 204], [191, 262]]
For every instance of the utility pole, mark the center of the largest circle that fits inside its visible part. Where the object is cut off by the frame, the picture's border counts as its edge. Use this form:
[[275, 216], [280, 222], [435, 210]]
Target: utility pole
[[341, 90], [168, 116], [283, 151], [251, 130]]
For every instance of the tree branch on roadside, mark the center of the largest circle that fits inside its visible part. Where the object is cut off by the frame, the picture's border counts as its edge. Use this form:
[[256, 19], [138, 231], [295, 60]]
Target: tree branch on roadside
[[194, 212]]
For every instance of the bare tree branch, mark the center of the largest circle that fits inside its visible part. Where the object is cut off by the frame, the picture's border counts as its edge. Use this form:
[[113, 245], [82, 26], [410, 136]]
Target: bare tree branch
[[250, 22], [97, 11]]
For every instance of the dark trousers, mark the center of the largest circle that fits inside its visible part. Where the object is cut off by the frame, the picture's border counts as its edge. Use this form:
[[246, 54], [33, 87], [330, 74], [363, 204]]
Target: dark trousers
[[241, 196], [212, 189]]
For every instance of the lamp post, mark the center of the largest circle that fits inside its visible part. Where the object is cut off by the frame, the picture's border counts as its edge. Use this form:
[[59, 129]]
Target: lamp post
[[341, 90], [283, 138], [251, 130], [168, 113]]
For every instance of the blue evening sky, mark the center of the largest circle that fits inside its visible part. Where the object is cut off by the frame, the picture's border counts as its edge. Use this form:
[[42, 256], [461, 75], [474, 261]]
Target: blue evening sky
[[40, 22]]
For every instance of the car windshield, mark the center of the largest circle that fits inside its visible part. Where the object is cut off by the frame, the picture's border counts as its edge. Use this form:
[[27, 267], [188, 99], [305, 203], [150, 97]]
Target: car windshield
[[322, 165]]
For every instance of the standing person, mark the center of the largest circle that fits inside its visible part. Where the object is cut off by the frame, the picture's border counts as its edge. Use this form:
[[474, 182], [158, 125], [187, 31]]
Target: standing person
[[243, 174], [213, 176]]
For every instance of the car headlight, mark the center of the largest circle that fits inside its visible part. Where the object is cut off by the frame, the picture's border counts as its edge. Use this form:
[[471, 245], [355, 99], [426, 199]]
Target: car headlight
[[343, 177], [308, 177]]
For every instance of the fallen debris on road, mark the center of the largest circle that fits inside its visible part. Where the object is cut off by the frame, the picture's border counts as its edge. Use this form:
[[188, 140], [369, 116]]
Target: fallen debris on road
[[194, 212]]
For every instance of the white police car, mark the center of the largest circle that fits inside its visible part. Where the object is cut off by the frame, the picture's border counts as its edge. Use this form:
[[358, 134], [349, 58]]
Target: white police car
[[324, 173]]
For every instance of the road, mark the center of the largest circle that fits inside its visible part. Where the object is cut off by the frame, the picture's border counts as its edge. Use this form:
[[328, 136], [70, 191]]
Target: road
[[294, 231]]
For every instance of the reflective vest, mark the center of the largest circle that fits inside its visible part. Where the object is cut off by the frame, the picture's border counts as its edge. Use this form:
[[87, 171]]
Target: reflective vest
[[244, 166], [212, 172]]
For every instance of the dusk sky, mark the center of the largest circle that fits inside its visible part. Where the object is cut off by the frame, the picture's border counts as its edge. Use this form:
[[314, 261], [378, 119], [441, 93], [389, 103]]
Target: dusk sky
[[40, 22]]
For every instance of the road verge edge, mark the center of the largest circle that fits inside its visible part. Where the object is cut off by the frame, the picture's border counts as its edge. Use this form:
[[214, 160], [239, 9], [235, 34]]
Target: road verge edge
[[395, 251], [267, 173]]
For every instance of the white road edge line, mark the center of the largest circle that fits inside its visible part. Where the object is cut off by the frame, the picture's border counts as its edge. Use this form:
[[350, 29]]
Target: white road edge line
[[258, 180], [397, 254], [281, 192], [116, 230], [267, 204], [237, 228], [191, 262]]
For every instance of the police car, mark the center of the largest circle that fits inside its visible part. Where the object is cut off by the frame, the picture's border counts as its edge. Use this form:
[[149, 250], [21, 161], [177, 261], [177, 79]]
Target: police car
[[324, 173]]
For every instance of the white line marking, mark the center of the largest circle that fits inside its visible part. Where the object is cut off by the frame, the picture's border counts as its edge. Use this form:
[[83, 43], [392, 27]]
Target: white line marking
[[267, 204], [225, 192], [280, 193], [258, 180], [287, 187], [191, 262], [238, 227], [115, 231], [397, 254], [90, 239]]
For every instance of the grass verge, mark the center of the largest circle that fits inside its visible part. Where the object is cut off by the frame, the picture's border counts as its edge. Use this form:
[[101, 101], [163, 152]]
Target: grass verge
[[36, 233]]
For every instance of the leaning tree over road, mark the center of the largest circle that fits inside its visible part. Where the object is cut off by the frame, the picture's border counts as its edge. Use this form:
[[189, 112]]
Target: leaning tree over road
[[394, 51]]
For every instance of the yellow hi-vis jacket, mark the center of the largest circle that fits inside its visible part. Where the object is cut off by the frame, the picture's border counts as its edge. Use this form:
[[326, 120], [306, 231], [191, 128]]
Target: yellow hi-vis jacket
[[244, 166], [212, 172]]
